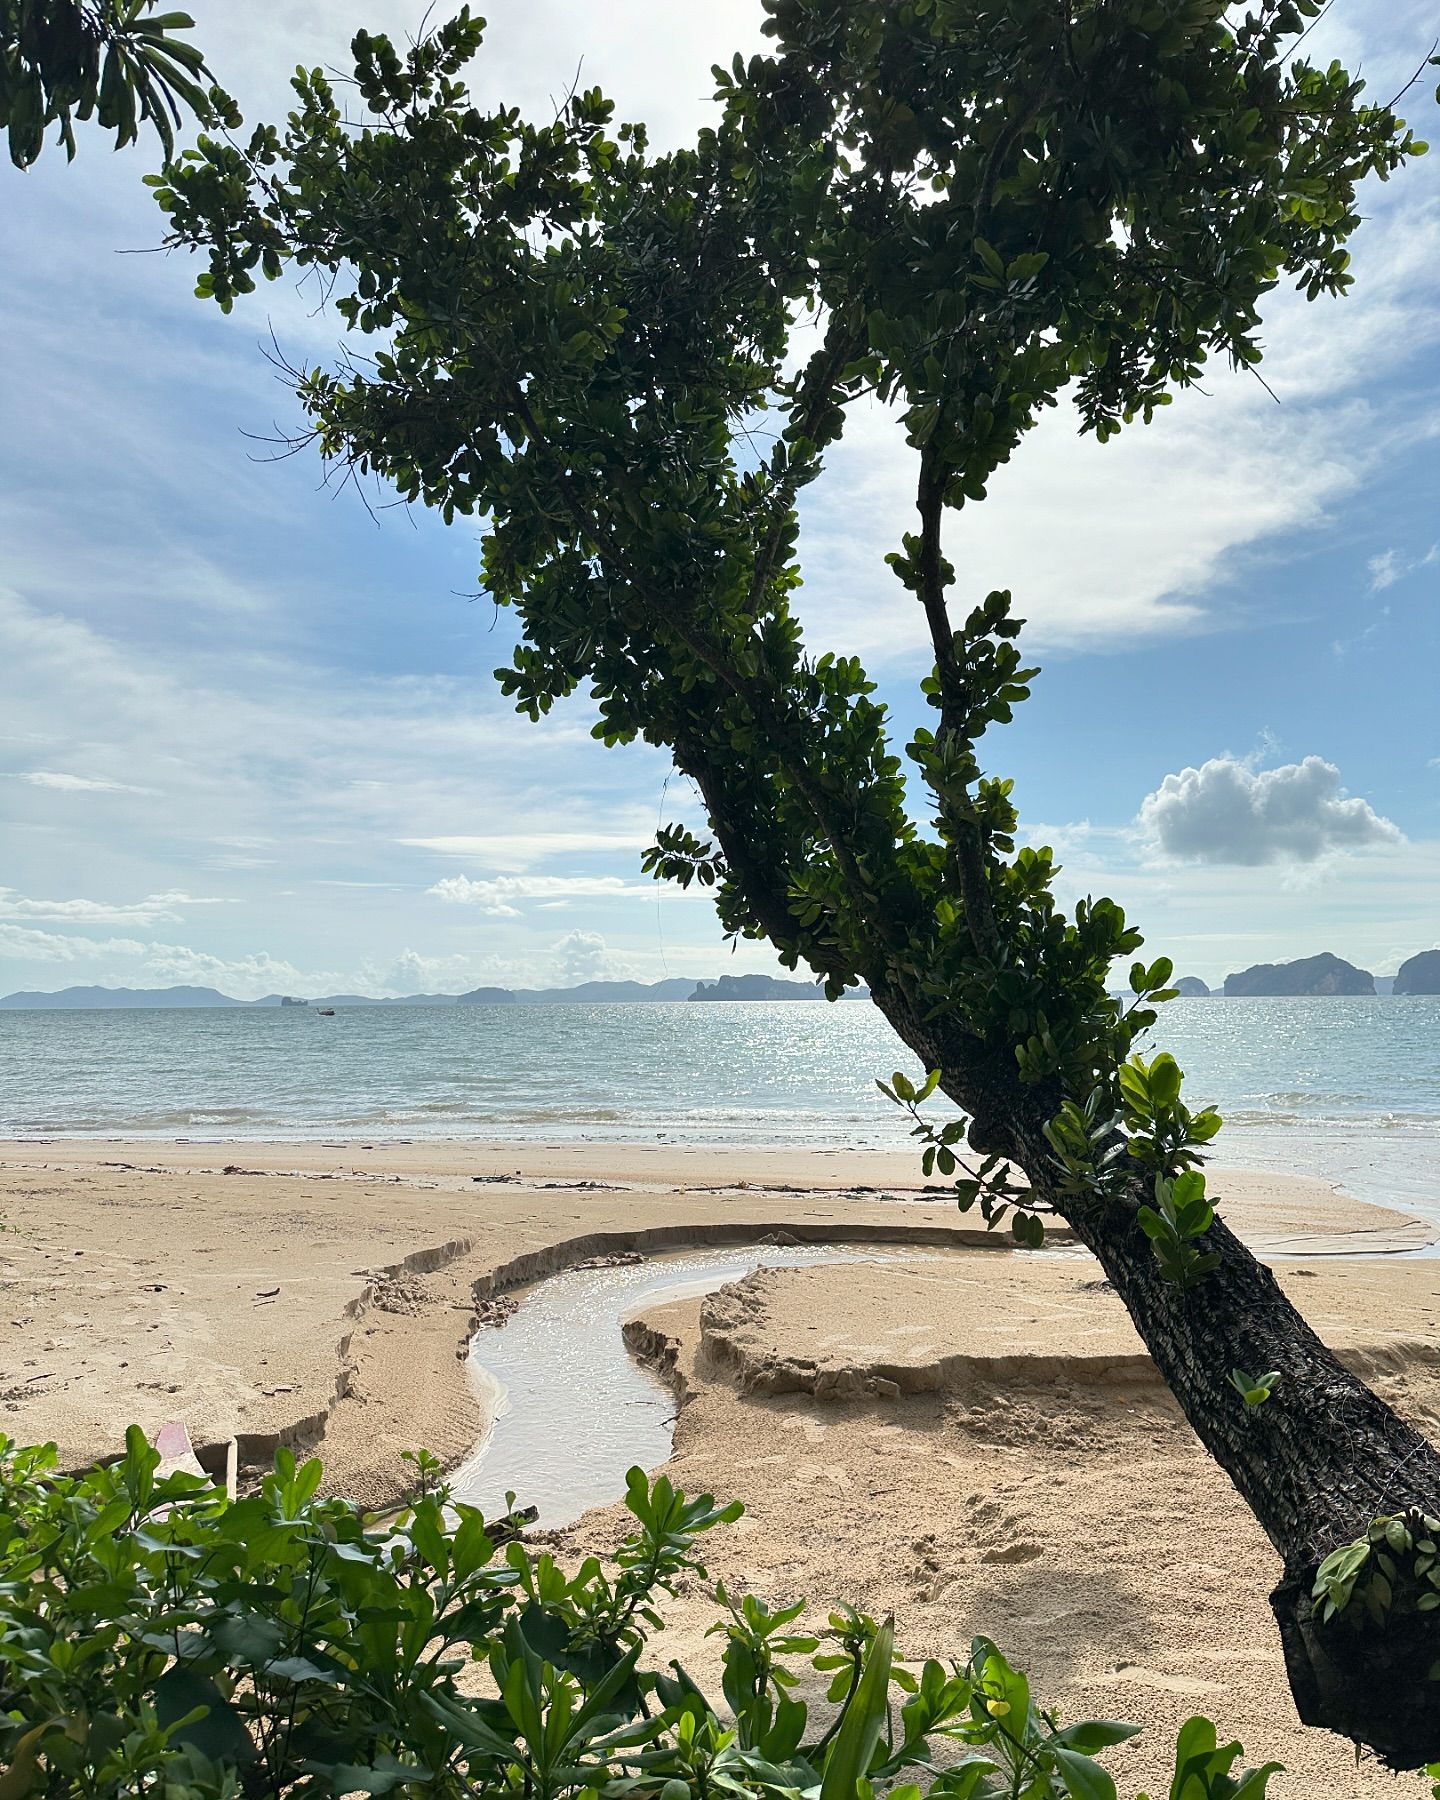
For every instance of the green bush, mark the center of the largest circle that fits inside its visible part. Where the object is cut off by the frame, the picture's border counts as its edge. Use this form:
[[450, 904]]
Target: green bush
[[157, 1639]]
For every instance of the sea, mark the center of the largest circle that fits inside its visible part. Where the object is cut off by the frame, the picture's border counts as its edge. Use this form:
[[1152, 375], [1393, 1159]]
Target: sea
[[1344, 1089]]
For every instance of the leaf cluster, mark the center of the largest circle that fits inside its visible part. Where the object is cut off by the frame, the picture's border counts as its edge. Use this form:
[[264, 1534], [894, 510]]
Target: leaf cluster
[[988, 1183], [1140, 1118], [1394, 1567], [117, 61], [157, 1638]]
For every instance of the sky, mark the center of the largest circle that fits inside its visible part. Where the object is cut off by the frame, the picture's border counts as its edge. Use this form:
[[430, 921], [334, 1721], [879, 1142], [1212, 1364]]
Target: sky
[[249, 732]]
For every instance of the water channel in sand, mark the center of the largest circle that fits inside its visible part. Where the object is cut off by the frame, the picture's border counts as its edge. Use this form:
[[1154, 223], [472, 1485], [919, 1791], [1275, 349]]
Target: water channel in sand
[[572, 1410]]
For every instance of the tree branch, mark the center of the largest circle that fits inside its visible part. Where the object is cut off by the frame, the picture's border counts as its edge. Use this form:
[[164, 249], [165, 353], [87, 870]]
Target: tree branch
[[841, 344], [779, 726], [966, 844]]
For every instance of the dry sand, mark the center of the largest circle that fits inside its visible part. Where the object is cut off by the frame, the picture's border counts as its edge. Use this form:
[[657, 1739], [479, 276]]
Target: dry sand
[[976, 1442]]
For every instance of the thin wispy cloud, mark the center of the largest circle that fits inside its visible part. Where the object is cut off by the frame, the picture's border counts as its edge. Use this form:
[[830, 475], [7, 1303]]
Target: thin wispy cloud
[[500, 898], [154, 909], [60, 782], [520, 850], [1391, 566]]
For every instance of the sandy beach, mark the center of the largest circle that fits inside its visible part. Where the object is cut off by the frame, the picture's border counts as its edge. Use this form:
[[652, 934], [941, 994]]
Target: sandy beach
[[971, 1437]]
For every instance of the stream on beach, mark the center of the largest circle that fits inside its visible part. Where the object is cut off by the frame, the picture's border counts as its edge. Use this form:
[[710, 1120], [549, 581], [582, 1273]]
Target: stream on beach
[[573, 1410]]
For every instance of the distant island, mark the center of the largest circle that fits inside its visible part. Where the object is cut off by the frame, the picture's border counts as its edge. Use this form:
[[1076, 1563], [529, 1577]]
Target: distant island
[[75, 999], [1419, 974], [1309, 977], [587, 993], [757, 987], [673, 989]]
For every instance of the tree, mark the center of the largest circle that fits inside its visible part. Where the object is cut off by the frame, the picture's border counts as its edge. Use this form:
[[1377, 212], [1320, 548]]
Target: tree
[[114, 60], [628, 366]]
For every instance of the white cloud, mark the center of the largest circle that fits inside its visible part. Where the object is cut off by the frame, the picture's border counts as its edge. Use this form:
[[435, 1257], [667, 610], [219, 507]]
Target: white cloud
[[154, 909], [1106, 545], [496, 898], [29, 945], [518, 850], [242, 977], [158, 965], [584, 956], [1392, 565], [1227, 812], [76, 784], [265, 763], [1212, 918]]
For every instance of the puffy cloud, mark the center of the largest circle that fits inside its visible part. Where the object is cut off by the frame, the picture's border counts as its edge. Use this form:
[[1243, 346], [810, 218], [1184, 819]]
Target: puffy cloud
[[583, 956], [49, 946], [1227, 812], [495, 898], [412, 972], [159, 965], [243, 977]]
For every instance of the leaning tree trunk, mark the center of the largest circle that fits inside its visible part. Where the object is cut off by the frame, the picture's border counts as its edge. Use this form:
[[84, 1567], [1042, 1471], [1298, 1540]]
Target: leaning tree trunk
[[1316, 1463], [1321, 1459]]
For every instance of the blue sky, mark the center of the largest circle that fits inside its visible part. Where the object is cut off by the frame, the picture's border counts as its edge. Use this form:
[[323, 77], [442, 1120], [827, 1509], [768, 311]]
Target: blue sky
[[249, 735]]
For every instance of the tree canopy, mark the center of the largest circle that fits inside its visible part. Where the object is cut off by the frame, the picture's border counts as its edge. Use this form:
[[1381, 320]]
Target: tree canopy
[[117, 61], [628, 365]]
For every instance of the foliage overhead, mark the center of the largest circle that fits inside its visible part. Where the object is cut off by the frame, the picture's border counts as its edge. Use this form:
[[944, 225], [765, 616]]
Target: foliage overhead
[[117, 61], [158, 1639], [626, 365]]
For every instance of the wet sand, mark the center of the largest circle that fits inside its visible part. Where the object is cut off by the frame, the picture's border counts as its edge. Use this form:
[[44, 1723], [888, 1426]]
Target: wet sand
[[324, 1294]]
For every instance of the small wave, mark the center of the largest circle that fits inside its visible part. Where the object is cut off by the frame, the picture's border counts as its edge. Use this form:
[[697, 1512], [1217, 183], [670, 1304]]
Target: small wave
[[1367, 1120]]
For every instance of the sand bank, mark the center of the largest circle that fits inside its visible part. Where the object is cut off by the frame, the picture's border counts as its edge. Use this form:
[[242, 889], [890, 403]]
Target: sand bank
[[323, 1294]]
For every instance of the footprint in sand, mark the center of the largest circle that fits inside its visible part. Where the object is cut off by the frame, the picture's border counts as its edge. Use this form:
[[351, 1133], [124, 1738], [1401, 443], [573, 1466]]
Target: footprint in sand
[[1022, 1552], [1000, 1536], [812, 1428]]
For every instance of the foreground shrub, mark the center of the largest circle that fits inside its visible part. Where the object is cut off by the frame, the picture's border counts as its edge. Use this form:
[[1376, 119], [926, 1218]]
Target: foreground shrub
[[159, 1639]]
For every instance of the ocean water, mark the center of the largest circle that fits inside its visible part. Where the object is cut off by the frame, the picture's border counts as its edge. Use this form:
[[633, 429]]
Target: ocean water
[[1346, 1089]]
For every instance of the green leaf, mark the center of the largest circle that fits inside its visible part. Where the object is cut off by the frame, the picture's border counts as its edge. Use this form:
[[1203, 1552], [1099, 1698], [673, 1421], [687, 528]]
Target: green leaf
[[1090, 1735], [1084, 1780], [864, 1720], [382, 1776], [1164, 1081], [202, 1717]]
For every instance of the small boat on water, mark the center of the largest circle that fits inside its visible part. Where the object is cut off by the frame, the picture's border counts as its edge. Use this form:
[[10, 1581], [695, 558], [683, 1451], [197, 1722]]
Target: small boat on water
[[326, 1012]]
